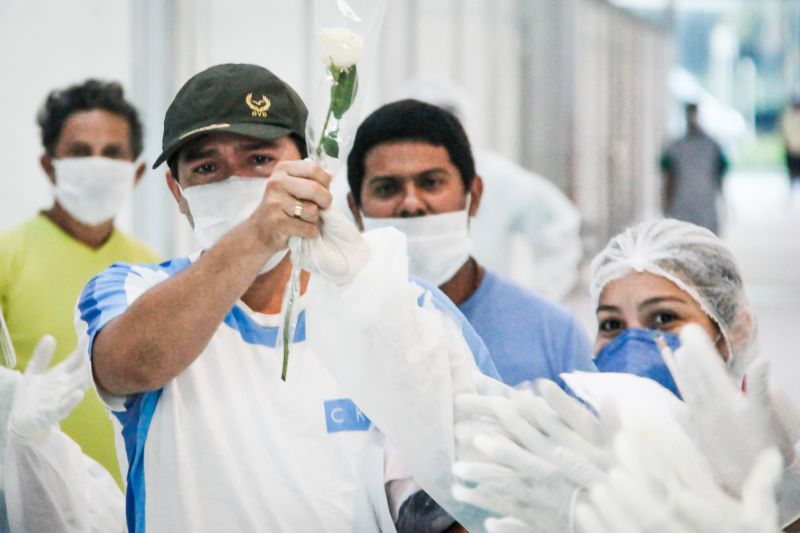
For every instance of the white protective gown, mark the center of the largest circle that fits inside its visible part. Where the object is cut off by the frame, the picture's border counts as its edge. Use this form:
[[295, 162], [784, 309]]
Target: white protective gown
[[401, 364], [51, 485]]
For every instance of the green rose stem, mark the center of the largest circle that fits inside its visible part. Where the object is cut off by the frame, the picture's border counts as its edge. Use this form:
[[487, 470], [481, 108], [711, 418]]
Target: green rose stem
[[294, 288], [343, 94], [324, 129]]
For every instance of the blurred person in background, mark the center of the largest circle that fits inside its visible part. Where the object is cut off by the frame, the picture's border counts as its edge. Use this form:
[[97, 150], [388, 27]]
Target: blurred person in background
[[790, 131], [92, 137], [693, 167], [517, 207]]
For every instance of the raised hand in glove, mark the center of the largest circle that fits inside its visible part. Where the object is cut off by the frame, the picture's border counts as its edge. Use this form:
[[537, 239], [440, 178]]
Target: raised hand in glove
[[733, 427], [45, 396], [663, 484], [545, 423], [530, 455], [515, 483]]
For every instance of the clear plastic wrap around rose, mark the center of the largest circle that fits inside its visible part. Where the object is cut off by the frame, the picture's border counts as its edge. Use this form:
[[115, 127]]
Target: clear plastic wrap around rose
[[345, 38], [345, 41], [8, 357]]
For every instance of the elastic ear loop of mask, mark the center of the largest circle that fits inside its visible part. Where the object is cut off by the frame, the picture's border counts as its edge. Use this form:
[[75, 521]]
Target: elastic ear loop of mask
[[468, 207], [666, 354]]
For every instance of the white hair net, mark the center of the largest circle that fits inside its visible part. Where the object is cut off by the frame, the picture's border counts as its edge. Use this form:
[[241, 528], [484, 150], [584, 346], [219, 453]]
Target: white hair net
[[695, 260]]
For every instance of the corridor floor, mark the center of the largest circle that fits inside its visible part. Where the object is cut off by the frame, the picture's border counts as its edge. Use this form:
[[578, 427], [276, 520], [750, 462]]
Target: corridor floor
[[763, 231]]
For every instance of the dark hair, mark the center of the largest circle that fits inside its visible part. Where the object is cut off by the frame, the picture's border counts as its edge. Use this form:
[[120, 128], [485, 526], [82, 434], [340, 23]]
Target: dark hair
[[410, 120], [298, 141], [91, 94]]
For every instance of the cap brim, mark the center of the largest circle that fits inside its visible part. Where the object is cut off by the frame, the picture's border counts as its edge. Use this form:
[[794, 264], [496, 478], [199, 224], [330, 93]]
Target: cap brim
[[265, 132]]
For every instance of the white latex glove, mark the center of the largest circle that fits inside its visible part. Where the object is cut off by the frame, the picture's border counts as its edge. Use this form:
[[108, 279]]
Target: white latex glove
[[543, 423], [44, 397], [338, 253], [528, 437], [517, 484], [475, 416], [529, 460], [784, 423], [732, 428], [663, 484], [570, 424]]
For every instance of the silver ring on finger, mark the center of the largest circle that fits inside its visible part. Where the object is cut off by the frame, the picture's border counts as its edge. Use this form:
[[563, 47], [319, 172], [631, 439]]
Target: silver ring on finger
[[298, 209]]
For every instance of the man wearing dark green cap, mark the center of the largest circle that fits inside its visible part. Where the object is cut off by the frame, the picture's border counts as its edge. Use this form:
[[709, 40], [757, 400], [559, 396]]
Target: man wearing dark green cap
[[185, 354]]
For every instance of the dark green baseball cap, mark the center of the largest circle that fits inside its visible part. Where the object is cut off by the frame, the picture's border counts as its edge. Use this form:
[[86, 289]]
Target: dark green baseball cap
[[236, 98]]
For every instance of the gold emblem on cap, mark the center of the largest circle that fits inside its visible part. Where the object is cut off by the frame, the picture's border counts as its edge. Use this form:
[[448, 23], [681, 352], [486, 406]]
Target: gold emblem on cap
[[259, 107]]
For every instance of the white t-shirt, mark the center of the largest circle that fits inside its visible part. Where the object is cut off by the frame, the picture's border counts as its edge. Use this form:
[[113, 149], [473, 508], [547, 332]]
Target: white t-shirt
[[228, 446]]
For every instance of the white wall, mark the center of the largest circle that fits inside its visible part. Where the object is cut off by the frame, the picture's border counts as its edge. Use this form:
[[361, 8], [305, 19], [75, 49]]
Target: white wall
[[43, 45], [618, 121], [566, 86]]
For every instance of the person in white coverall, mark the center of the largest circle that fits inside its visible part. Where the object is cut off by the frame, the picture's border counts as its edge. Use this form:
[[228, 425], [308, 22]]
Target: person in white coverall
[[47, 483], [521, 211]]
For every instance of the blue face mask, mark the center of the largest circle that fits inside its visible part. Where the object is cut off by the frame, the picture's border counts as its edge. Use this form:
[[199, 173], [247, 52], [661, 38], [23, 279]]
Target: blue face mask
[[634, 351]]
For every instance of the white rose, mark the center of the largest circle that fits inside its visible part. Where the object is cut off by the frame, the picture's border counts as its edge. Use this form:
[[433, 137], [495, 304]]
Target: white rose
[[340, 47]]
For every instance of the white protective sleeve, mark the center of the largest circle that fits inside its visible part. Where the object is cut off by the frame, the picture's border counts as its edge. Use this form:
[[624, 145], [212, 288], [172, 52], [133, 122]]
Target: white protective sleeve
[[400, 362], [52, 486]]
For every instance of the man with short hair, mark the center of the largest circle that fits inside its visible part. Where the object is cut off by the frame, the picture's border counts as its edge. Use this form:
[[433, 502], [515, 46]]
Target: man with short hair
[[92, 138], [186, 353], [411, 168]]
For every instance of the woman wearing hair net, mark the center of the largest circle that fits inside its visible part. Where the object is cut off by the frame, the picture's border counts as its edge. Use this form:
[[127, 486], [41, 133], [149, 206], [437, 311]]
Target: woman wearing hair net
[[653, 279], [648, 284]]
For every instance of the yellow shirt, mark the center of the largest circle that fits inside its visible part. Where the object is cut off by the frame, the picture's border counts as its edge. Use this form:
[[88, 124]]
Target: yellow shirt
[[42, 272]]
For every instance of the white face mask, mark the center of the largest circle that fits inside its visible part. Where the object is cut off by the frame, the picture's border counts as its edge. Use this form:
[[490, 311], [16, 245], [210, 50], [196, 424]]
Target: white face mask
[[93, 189], [438, 245], [218, 207]]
